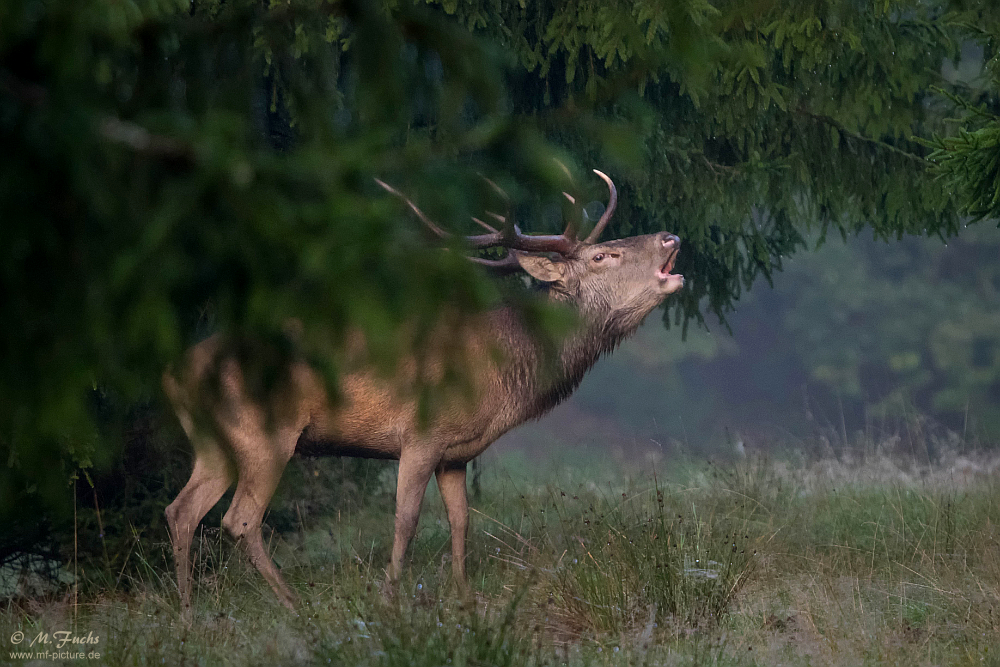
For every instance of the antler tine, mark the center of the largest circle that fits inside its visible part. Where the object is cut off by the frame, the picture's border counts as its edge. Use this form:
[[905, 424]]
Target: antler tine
[[504, 266], [506, 220], [413, 207], [488, 227], [608, 212], [496, 188], [573, 225], [564, 168]]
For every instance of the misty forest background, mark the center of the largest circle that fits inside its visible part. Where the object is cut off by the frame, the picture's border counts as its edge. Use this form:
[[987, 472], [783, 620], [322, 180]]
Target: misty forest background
[[169, 169]]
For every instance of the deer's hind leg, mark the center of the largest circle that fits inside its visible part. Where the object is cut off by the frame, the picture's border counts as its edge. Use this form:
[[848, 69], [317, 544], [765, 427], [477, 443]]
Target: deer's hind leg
[[261, 456], [451, 484], [212, 474]]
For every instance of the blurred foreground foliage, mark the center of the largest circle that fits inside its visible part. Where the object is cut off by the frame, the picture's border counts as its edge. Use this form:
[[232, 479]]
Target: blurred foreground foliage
[[173, 168]]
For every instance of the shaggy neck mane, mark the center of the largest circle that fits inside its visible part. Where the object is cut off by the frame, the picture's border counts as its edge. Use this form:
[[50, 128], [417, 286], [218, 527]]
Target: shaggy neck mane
[[564, 367]]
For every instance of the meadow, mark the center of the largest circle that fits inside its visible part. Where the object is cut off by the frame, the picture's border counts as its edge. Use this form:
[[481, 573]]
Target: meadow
[[867, 556]]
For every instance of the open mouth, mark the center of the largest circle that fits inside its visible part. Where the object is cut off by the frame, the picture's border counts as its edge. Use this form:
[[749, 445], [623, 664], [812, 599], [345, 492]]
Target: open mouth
[[666, 271]]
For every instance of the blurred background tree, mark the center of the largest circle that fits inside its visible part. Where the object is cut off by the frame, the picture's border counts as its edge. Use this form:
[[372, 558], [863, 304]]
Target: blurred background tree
[[174, 168]]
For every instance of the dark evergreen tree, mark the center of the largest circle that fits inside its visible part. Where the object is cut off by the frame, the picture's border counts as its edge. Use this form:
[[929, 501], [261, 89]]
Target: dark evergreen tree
[[170, 168]]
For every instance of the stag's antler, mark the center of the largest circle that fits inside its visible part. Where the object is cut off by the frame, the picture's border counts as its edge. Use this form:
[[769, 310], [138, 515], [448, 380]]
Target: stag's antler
[[510, 236], [413, 207], [608, 212]]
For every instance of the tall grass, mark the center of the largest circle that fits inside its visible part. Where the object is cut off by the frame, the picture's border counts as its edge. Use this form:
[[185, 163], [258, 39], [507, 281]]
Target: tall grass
[[648, 559], [764, 561]]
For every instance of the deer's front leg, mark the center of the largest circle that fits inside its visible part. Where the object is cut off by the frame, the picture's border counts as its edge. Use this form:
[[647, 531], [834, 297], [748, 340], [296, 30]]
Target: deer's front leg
[[451, 483], [415, 469]]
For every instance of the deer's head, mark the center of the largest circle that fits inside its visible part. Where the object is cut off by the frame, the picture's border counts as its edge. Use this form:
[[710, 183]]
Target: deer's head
[[615, 282], [626, 275]]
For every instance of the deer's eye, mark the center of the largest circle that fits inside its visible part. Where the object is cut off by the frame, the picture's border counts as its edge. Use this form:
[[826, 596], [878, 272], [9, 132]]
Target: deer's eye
[[599, 256]]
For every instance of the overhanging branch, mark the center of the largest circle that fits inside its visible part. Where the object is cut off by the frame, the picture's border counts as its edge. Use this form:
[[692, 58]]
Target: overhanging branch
[[832, 122]]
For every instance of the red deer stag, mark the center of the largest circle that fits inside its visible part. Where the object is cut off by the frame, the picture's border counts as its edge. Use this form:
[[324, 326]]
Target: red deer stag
[[613, 286]]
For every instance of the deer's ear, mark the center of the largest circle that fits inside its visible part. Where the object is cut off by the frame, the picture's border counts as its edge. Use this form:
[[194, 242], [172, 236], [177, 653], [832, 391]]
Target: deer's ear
[[541, 267]]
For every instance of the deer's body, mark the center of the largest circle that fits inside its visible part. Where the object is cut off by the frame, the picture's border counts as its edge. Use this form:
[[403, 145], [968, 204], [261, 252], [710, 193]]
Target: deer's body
[[513, 378]]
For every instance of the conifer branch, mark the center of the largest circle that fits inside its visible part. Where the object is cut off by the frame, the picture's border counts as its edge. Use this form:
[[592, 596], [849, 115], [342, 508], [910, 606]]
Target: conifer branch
[[832, 122]]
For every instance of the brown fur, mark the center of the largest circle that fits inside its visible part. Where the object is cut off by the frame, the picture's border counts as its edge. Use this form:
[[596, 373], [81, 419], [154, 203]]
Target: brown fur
[[514, 378]]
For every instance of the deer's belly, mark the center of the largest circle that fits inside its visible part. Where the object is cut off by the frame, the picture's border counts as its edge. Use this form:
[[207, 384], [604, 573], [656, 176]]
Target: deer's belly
[[463, 452], [313, 442]]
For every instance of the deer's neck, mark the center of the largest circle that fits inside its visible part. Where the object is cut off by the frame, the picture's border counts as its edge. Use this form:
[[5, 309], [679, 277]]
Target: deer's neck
[[555, 372]]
